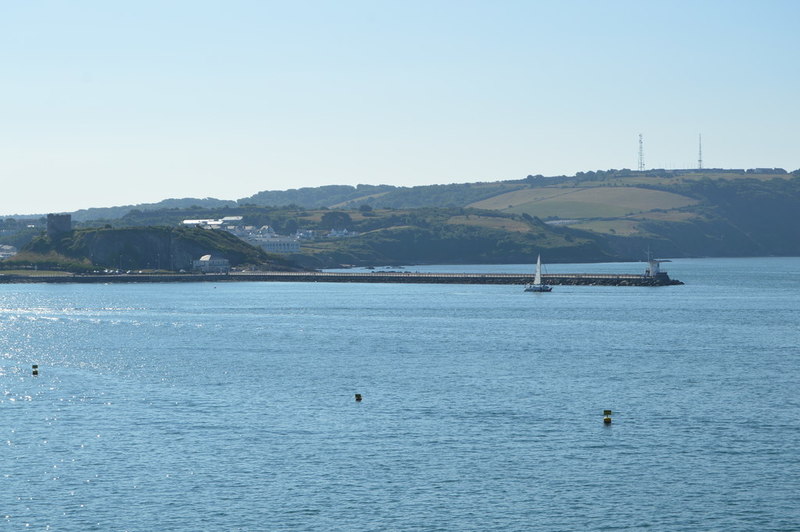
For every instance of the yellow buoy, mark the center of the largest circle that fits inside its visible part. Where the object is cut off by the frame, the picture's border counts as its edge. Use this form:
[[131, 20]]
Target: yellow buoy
[[607, 418]]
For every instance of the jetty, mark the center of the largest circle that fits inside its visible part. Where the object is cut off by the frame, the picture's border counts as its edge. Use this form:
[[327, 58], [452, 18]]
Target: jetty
[[590, 279], [575, 279]]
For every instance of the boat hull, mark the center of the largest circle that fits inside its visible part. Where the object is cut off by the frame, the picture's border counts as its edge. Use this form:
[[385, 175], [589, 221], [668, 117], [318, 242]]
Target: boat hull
[[538, 288]]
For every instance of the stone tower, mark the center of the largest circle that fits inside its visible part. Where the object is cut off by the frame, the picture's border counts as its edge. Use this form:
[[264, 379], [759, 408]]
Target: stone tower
[[58, 223]]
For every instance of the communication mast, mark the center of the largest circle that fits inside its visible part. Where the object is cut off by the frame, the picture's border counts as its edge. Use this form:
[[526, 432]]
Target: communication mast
[[641, 154], [699, 151]]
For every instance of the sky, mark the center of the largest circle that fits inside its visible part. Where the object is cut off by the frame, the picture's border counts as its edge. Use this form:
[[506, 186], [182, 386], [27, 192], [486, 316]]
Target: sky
[[118, 103]]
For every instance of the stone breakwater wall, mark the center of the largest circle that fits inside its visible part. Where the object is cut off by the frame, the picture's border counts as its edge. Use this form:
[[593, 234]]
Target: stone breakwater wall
[[575, 279]]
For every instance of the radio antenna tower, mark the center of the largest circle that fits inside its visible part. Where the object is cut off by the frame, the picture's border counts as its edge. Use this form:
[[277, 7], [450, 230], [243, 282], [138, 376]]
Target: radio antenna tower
[[641, 154], [699, 151]]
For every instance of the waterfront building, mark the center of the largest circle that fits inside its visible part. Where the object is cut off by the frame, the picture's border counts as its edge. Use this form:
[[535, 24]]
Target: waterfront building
[[7, 251], [211, 264], [280, 245]]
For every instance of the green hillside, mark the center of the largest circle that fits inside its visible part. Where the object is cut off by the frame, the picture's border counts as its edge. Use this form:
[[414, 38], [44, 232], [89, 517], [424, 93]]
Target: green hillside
[[455, 242], [135, 248], [591, 216], [614, 214]]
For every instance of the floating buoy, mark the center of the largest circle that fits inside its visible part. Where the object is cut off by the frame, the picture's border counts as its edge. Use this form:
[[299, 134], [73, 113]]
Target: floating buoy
[[358, 398], [35, 370], [607, 418]]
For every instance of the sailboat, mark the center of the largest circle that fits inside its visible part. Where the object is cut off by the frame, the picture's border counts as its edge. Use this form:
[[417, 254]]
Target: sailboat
[[537, 285]]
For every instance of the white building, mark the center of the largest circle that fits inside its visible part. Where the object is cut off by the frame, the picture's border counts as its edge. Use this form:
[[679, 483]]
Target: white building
[[280, 245], [341, 233], [211, 264], [264, 237], [214, 224], [270, 241], [7, 251]]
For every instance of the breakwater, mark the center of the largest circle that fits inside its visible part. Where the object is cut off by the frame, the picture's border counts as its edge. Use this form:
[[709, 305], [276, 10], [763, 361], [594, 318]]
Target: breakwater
[[582, 279]]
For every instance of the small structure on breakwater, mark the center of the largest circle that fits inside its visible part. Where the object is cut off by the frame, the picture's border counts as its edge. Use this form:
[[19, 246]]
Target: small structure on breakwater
[[654, 268]]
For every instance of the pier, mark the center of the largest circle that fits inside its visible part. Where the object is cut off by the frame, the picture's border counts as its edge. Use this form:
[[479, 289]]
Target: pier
[[597, 279], [574, 279]]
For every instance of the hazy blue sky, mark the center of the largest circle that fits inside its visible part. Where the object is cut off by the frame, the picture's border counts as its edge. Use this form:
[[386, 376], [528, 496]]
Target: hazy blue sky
[[110, 103]]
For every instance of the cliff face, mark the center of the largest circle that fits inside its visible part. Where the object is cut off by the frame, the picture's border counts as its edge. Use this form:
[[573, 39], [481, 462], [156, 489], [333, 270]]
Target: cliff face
[[163, 248]]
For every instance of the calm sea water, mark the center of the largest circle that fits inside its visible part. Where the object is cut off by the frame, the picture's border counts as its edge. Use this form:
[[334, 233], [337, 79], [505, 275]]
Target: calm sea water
[[231, 406]]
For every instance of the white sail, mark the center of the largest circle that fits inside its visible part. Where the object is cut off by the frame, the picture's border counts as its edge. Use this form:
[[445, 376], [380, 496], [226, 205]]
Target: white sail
[[537, 285]]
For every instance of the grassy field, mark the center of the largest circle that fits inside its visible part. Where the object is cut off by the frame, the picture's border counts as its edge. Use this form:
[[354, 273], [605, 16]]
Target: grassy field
[[630, 225], [357, 216], [512, 199], [362, 199], [585, 202], [665, 216], [619, 227], [491, 222]]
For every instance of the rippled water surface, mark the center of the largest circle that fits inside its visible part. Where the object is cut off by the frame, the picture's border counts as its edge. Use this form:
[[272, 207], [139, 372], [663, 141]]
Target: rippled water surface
[[230, 406]]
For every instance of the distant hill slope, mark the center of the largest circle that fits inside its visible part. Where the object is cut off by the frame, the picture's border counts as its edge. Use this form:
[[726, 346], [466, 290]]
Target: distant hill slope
[[316, 197], [160, 248], [523, 195], [382, 196], [735, 217], [602, 215], [445, 235], [111, 213], [622, 214]]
